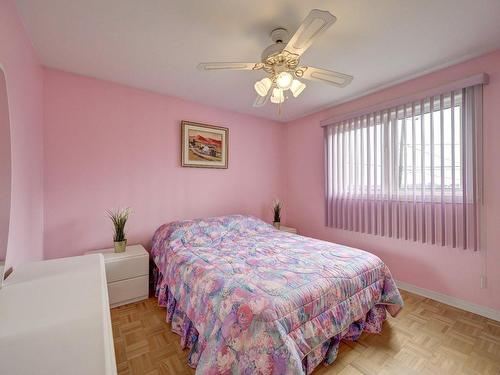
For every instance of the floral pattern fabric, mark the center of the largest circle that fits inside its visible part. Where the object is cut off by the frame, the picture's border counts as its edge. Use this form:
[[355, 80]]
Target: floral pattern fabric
[[249, 299]]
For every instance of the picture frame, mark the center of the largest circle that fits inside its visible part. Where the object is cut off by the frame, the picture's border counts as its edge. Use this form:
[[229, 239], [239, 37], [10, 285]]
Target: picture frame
[[203, 145]]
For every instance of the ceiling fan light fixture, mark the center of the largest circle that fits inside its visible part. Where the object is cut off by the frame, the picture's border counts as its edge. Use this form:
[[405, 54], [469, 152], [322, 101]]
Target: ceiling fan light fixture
[[277, 96], [281, 62], [284, 80], [297, 87], [262, 87]]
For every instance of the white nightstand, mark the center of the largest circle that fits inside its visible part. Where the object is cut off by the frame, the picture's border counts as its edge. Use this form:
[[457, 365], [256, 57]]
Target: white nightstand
[[288, 229], [127, 274]]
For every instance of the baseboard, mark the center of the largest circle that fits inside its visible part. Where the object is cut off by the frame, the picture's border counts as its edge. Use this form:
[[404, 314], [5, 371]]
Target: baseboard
[[452, 301]]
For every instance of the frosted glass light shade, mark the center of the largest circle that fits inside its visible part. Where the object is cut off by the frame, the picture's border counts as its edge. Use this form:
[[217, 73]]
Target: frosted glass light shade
[[284, 80], [277, 96], [262, 87], [297, 87]]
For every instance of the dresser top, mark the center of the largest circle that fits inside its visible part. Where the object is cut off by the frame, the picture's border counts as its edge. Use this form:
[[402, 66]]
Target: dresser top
[[132, 251], [55, 319]]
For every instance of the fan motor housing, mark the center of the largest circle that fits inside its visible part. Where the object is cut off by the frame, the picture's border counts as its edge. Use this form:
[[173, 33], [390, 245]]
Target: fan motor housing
[[273, 49], [280, 37]]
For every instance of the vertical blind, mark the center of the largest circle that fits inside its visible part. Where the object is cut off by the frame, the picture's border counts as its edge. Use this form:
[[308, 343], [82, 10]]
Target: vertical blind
[[412, 172]]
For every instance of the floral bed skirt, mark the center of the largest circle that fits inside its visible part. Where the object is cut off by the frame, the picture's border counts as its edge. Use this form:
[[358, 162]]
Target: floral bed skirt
[[325, 353]]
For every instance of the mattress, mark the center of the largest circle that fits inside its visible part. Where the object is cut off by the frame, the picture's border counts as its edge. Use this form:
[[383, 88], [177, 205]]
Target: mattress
[[247, 298]]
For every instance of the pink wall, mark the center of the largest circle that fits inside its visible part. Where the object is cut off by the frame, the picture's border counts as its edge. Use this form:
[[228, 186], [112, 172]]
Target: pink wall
[[445, 270], [24, 80], [108, 145]]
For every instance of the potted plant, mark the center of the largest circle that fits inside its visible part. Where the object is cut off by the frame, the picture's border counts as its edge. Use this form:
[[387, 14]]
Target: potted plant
[[277, 206], [119, 219]]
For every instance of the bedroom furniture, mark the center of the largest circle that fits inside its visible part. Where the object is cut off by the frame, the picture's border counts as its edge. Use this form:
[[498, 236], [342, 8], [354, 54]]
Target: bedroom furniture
[[245, 297], [127, 274], [288, 229], [54, 319]]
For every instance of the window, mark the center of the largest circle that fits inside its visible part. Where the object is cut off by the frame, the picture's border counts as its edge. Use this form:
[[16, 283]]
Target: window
[[441, 150], [409, 171]]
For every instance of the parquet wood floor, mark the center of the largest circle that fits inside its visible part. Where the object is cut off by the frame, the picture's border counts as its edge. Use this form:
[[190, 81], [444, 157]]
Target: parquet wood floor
[[427, 337]]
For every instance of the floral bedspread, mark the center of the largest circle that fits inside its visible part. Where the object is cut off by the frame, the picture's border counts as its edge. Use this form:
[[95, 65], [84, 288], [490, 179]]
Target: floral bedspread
[[247, 298]]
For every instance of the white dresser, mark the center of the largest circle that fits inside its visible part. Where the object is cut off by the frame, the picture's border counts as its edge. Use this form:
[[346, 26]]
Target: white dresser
[[127, 274], [54, 319]]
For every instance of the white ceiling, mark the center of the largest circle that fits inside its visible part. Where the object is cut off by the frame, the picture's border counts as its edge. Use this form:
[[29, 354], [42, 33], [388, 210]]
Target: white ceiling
[[156, 44]]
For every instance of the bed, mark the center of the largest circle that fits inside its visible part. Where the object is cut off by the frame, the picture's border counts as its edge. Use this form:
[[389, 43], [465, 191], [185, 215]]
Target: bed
[[246, 298]]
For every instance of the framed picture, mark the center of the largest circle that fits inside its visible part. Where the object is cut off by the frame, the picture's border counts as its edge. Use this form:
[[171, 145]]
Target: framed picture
[[203, 146]]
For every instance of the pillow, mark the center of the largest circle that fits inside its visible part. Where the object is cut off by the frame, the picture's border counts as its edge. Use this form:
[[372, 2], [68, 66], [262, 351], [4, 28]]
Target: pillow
[[208, 232], [248, 226], [200, 232]]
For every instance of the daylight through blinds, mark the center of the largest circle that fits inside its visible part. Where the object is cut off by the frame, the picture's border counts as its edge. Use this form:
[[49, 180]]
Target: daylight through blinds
[[411, 172]]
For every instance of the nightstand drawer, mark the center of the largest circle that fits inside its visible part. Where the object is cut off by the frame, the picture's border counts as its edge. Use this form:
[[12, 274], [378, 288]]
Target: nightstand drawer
[[126, 291], [126, 268]]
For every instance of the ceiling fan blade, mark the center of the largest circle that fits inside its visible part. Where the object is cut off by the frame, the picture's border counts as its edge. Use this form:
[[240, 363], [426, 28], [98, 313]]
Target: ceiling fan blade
[[323, 75], [229, 66], [261, 100], [315, 24]]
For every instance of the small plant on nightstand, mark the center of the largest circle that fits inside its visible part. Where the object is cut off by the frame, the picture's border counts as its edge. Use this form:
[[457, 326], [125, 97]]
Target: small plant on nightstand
[[119, 219], [277, 206]]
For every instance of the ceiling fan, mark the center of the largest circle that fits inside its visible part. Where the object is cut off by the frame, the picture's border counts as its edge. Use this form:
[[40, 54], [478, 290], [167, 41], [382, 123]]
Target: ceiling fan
[[281, 61]]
